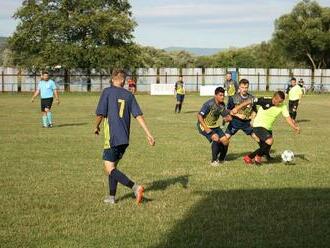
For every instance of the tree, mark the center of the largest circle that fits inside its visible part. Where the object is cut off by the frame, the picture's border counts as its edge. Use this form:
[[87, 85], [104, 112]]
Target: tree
[[74, 34], [304, 34]]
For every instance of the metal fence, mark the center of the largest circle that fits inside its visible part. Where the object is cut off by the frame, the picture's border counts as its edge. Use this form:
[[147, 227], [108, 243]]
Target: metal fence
[[18, 80]]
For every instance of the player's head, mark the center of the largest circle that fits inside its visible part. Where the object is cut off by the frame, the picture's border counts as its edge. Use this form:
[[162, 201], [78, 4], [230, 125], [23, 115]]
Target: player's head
[[243, 86], [293, 81], [278, 97], [219, 94], [118, 77], [180, 78], [228, 76], [45, 75]]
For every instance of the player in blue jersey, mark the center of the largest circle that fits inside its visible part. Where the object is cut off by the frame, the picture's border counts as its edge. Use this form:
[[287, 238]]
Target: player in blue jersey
[[46, 88], [208, 125], [115, 107]]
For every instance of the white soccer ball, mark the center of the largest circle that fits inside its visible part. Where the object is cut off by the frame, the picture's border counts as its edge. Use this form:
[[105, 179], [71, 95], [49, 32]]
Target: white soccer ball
[[287, 156]]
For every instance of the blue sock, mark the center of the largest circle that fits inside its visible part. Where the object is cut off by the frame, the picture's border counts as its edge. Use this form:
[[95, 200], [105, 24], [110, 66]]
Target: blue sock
[[112, 185], [50, 117], [44, 121]]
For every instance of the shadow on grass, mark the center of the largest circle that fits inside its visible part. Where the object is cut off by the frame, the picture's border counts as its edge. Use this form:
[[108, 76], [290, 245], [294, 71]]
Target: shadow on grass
[[71, 124], [303, 120], [160, 185], [255, 218], [190, 112]]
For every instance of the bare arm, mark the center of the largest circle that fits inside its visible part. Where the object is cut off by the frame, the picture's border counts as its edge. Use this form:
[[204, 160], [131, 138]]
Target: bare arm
[[35, 95], [142, 123], [56, 96], [98, 121], [292, 124], [214, 136], [235, 110]]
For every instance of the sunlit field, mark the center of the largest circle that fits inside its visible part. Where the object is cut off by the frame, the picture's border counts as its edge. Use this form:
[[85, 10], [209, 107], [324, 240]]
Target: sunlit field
[[52, 182]]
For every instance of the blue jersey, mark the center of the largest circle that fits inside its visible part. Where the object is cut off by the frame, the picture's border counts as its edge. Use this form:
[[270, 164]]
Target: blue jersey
[[211, 112], [116, 105], [46, 88]]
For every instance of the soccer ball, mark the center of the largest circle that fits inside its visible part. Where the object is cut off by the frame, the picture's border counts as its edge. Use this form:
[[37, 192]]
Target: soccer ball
[[287, 156]]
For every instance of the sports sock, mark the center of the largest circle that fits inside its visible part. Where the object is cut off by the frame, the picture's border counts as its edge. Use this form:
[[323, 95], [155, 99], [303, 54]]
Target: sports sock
[[215, 150], [112, 185], [176, 108], [257, 151], [180, 106], [50, 117], [224, 150], [44, 120], [122, 178]]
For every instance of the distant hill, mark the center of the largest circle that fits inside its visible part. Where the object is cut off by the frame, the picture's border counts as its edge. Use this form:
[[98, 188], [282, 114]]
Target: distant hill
[[195, 50]]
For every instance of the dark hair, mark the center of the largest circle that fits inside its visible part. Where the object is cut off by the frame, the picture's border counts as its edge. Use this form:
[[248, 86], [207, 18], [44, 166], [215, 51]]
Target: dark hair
[[118, 73], [228, 73], [280, 94], [45, 72], [219, 90], [294, 79], [244, 81]]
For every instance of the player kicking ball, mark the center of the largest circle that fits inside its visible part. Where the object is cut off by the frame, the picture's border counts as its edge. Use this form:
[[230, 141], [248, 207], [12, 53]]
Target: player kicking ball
[[270, 109], [208, 125], [115, 107]]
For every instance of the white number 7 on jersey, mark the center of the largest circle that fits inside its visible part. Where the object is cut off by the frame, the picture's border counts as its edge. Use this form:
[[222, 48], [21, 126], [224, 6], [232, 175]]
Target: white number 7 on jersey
[[121, 107]]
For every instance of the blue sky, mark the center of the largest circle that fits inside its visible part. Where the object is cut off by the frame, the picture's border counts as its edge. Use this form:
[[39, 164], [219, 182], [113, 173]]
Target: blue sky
[[192, 23]]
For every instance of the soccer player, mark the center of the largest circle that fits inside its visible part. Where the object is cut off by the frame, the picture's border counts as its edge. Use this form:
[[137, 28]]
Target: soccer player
[[230, 85], [46, 89], [270, 109], [180, 93], [115, 107], [295, 94], [207, 125], [242, 120]]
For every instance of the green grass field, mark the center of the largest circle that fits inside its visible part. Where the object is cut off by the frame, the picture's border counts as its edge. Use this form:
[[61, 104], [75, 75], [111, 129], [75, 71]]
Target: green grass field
[[52, 183]]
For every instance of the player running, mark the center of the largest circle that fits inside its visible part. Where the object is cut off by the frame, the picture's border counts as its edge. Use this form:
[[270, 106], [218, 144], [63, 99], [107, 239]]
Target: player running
[[115, 106], [207, 125], [269, 110], [295, 93]]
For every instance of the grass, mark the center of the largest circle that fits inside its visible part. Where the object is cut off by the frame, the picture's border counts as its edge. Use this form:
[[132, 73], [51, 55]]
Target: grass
[[52, 183]]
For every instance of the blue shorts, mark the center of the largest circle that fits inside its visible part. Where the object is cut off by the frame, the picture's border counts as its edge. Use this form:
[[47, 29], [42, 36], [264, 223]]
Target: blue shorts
[[179, 97], [115, 153], [208, 136], [236, 125]]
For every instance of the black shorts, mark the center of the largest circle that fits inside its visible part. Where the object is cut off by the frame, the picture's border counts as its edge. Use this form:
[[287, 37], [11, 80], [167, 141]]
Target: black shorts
[[262, 133], [237, 124], [46, 103], [208, 136], [179, 97], [115, 153], [293, 105]]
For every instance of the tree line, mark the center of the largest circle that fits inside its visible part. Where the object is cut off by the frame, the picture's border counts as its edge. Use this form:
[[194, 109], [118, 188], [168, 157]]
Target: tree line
[[99, 35]]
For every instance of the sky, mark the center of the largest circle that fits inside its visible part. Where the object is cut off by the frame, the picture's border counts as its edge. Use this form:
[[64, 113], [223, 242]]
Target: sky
[[192, 23]]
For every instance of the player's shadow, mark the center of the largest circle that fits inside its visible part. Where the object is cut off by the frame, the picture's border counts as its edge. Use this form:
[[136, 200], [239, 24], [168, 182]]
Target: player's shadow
[[282, 217], [165, 183], [190, 111], [303, 120], [160, 185], [71, 124]]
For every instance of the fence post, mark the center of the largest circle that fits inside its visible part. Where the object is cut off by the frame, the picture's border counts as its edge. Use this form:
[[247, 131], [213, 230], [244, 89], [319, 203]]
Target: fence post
[[258, 81], [35, 81], [197, 81], [166, 77], [267, 79]]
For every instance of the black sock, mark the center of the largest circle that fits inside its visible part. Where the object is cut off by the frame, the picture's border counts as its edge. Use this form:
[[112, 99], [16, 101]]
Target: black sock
[[215, 150], [177, 108], [253, 154], [264, 149], [224, 150], [122, 178], [180, 106], [294, 115], [112, 185]]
